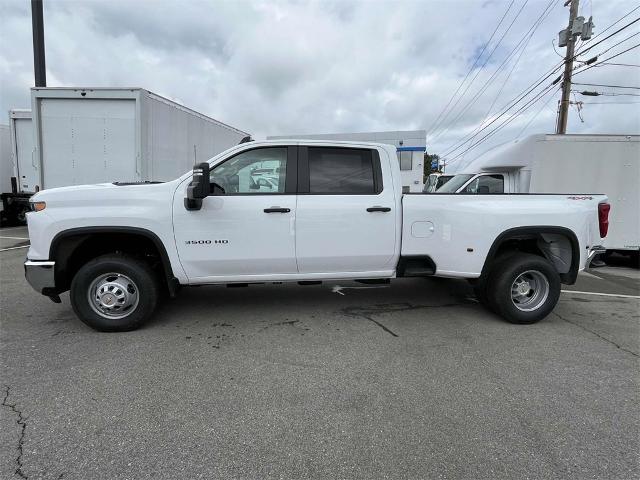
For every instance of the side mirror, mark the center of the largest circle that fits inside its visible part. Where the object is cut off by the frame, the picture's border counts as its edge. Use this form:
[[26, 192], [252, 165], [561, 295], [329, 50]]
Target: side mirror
[[198, 188]]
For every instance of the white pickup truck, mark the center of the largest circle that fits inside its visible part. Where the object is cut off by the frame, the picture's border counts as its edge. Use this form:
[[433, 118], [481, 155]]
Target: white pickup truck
[[301, 211]]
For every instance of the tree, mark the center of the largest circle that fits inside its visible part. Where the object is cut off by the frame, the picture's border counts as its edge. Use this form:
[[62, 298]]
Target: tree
[[428, 160]]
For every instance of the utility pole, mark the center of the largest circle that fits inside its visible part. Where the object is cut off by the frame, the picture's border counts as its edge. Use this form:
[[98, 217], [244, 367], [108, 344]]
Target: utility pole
[[568, 37], [568, 67], [37, 25]]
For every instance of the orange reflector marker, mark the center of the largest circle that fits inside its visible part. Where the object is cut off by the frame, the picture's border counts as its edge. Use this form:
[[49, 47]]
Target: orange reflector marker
[[38, 206]]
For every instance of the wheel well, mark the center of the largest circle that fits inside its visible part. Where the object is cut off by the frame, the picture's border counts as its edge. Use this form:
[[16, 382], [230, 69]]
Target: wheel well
[[558, 245], [71, 250]]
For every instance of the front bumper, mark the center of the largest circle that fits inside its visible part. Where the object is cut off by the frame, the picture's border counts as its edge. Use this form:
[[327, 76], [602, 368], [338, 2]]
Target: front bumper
[[41, 275], [593, 251]]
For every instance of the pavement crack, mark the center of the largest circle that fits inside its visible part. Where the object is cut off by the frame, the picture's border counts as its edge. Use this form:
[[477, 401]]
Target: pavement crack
[[369, 311], [290, 322], [383, 327], [596, 334], [22, 422]]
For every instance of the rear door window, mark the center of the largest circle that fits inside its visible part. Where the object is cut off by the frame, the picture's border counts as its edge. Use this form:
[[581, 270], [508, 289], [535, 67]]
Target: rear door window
[[341, 171]]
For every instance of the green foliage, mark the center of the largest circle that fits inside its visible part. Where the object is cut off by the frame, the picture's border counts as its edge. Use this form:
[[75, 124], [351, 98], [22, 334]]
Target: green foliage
[[428, 158]]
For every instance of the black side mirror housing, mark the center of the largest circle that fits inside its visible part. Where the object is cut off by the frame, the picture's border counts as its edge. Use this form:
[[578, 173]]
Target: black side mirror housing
[[198, 188]]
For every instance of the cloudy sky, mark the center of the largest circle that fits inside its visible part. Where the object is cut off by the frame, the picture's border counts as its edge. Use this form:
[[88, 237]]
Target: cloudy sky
[[274, 68]]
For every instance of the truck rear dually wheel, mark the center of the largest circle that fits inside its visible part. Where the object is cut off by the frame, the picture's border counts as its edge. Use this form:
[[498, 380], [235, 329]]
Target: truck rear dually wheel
[[523, 288], [114, 293]]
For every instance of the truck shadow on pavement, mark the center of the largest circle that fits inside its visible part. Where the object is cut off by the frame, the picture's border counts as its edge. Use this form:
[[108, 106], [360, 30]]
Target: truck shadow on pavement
[[291, 304]]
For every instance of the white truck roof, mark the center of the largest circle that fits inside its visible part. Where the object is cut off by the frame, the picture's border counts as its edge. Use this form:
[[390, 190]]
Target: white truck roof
[[520, 153]]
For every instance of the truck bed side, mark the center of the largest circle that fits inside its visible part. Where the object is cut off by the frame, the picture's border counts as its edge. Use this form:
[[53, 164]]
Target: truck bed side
[[458, 232]]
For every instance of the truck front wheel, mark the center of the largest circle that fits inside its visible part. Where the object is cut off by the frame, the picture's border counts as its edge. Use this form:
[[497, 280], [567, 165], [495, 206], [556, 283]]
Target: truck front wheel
[[114, 293], [523, 288]]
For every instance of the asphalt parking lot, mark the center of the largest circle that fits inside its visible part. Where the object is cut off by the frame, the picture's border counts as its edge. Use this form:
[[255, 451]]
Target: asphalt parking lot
[[411, 380]]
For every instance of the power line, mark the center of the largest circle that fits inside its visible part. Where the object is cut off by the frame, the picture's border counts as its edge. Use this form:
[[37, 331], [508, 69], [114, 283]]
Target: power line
[[472, 67], [524, 42], [611, 103], [502, 112], [506, 107], [481, 67], [537, 113], [571, 56], [604, 85], [618, 64], [606, 94], [614, 46], [581, 52], [553, 44], [526, 106], [590, 66], [613, 24]]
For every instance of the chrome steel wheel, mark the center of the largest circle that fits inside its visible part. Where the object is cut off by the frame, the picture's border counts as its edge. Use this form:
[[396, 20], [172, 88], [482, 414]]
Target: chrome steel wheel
[[113, 295], [529, 290]]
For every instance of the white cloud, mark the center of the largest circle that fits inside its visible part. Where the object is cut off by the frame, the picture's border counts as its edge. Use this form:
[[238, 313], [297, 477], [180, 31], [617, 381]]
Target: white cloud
[[308, 66]]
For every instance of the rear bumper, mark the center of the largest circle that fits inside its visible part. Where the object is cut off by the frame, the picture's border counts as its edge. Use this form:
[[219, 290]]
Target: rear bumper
[[593, 251], [40, 275]]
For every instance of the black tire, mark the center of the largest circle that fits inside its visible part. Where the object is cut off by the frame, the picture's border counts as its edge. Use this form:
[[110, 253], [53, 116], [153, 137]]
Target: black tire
[[535, 270], [140, 280]]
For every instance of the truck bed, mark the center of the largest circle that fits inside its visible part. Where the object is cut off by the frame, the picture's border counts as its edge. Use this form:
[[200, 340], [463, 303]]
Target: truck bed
[[457, 231]]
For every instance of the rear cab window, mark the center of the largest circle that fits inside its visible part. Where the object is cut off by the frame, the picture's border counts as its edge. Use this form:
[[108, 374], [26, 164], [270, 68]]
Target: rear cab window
[[339, 171]]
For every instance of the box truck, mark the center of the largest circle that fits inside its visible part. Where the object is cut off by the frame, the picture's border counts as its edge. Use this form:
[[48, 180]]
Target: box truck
[[6, 170], [18, 169], [94, 135], [608, 164]]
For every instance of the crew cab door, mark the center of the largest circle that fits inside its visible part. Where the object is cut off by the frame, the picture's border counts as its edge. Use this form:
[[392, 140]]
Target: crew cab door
[[346, 215], [246, 228]]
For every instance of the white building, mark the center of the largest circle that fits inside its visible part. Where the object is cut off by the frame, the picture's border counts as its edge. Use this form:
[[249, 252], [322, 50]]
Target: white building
[[410, 144]]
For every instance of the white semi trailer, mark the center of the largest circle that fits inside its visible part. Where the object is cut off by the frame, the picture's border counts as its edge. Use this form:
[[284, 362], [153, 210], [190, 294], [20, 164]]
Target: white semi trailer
[[17, 168], [96, 135], [608, 164], [16, 137], [6, 171]]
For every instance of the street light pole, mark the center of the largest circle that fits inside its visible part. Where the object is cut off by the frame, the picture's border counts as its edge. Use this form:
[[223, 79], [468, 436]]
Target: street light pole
[[37, 25]]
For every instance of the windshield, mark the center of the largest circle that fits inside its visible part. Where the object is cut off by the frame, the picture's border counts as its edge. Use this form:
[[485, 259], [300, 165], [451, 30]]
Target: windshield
[[430, 185], [442, 180], [455, 183]]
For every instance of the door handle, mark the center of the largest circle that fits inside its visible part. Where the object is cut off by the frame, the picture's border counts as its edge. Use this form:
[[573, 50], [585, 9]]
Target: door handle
[[277, 210], [378, 209]]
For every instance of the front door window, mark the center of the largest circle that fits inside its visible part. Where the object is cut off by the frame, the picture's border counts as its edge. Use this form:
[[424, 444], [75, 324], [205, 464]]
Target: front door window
[[260, 171]]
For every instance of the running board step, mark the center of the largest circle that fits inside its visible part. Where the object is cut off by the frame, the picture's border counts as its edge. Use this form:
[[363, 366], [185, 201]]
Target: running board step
[[418, 266], [418, 272], [374, 281]]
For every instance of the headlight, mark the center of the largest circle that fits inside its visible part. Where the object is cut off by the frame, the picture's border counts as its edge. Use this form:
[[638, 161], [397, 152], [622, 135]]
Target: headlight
[[38, 206]]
